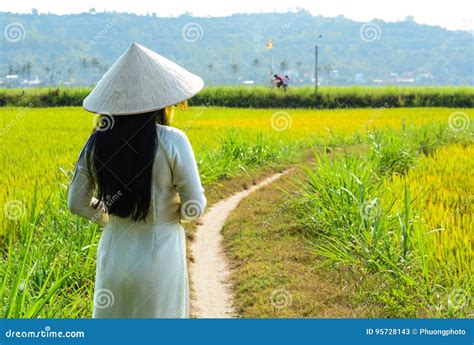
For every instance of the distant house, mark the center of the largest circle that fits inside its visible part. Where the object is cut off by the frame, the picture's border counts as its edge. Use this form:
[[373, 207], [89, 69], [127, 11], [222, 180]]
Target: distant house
[[424, 78], [359, 78], [407, 78], [34, 82], [12, 80], [334, 74], [392, 78]]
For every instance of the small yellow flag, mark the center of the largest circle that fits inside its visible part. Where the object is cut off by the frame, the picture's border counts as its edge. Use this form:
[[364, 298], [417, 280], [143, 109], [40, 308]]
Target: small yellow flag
[[269, 44]]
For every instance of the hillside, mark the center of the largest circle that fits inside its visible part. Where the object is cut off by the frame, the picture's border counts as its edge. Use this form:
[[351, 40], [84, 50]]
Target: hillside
[[77, 49]]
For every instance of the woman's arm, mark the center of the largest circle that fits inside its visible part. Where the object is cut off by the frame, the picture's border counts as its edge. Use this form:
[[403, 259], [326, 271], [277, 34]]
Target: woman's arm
[[81, 199], [186, 179]]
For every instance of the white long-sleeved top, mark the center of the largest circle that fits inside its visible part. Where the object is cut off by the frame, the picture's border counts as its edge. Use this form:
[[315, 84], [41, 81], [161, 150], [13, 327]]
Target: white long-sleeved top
[[176, 185], [141, 266]]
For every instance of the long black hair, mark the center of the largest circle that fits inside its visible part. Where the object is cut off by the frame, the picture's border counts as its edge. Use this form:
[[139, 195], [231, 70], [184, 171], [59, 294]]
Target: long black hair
[[120, 154]]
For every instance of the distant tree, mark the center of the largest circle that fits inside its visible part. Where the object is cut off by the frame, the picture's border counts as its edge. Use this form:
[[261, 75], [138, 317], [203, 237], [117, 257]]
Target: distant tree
[[11, 69], [70, 72], [50, 73], [95, 63], [84, 63], [327, 69], [284, 65], [210, 69], [299, 65], [235, 68], [28, 67], [256, 63], [47, 70]]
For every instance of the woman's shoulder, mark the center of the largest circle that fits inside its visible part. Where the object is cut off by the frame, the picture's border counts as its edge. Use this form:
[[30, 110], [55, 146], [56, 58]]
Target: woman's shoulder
[[171, 135]]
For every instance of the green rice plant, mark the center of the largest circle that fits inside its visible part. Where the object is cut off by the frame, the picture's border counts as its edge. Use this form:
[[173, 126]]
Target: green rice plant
[[362, 214], [235, 156], [341, 207], [47, 263]]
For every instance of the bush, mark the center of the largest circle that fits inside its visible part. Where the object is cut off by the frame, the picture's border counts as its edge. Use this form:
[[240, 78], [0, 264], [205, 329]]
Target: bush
[[263, 97]]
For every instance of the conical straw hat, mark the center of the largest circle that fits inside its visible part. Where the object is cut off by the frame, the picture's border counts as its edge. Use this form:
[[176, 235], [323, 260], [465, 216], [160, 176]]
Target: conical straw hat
[[141, 81]]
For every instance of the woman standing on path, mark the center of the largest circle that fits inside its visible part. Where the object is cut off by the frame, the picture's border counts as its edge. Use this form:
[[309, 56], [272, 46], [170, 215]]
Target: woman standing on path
[[138, 178]]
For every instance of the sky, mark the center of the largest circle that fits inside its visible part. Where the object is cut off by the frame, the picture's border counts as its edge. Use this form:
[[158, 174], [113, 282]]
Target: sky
[[452, 14]]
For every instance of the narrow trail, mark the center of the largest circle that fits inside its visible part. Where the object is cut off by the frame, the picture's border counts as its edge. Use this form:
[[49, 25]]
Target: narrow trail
[[210, 271]]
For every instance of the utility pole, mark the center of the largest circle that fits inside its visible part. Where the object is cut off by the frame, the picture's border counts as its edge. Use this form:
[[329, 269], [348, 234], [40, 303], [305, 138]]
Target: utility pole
[[316, 68], [316, 63]]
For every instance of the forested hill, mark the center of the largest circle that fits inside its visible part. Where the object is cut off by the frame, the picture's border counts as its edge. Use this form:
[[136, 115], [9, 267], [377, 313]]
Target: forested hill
[[77, 49]]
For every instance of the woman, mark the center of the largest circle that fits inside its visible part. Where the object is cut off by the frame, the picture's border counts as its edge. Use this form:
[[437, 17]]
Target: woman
[[137, 177]]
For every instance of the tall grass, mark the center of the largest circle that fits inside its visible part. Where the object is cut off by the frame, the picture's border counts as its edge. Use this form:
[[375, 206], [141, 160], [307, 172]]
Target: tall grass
[[353, 221], [236, 155], [48, 262]]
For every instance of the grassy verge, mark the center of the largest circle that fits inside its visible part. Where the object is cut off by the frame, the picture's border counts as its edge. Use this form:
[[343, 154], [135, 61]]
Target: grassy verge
[[390, 215], [274, 271], [264, 97], [347, 238]]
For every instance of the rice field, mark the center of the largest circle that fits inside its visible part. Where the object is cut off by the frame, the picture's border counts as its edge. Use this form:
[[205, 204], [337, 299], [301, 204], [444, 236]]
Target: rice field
[[38, 145], [48, 259]]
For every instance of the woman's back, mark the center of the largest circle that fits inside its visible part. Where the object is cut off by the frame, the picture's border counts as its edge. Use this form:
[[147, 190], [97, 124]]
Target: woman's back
[[139, 180], [177, 193]]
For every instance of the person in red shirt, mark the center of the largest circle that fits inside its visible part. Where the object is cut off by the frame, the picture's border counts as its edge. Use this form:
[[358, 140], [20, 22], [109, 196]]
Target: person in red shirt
[[279, 81]]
